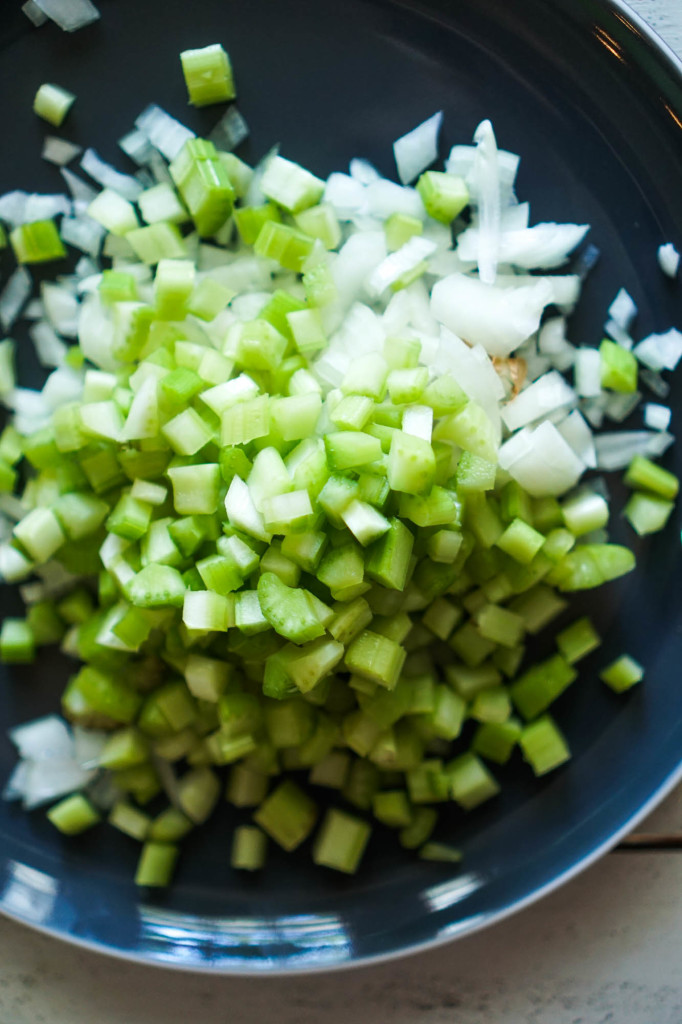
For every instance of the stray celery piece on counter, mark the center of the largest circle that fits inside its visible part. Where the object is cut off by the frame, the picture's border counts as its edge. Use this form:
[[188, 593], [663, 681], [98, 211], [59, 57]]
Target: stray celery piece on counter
[[341, 841], [622, 673], [73, 815], [208, 75], [53, 103]]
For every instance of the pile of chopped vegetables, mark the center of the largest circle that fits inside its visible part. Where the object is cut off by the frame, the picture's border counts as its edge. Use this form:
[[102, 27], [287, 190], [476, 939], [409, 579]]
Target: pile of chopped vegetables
[[306, 474]]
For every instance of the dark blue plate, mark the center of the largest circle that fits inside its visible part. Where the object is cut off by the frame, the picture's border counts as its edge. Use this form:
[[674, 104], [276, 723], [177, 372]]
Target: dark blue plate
[[593, 102]]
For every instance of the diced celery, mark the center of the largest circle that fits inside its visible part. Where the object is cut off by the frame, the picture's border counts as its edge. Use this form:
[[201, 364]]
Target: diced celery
[[543, 746], [248, 848], [208, 75], [444, 195], [642, 474], [73, 815], [288, 815], [622, 673]]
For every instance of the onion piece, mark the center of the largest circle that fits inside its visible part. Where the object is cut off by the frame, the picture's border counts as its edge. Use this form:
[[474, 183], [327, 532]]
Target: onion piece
[[552, 342], [500, 319], [660, 351], [108, 177], [385, 198], [34, 13], [14, 295], [51, 351], [619, 406], [70, 15], [363, 171], [346, 194], [12, 207], [587, 376], [61, 308], [59, 151], [47, 780], [230, 131], [79, 189], [44, 739], [542, 462], [576, 432], [418, 421], [485, 177], [657, 417], [163, 131], [15, 787], [617, 449], [397, 264], [623, 309], [668, 259], [541, 247], [543, 397], [418, 149]]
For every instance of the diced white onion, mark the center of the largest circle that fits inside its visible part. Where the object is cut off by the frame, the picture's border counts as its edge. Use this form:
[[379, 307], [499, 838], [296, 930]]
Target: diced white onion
[[485, 181], [47, 780], [42, 207], [620, 405], [619, 334], [668, 259], [363, 171], [657, 417], [544, 396], [385, 198], [541, 247], [398, 264], [51, 351], [80, 190], [552, 343], [34, 13], [346, 194], [418, 421], [230, 131], [587, 367], [623, 309], [660, 351], [617, 450], [576, 432], [70, 15], [14, 295], [61, 308], [500, 319], [542, 462], [12, 207], [418, 149], [108, 177], [88, 745], [163, 131], [59, 151]]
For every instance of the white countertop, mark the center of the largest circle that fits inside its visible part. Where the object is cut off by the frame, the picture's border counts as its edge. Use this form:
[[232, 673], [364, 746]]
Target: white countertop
[[604, 949]]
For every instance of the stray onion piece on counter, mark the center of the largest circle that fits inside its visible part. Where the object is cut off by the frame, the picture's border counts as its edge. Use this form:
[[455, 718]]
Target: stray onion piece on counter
[[313, 461]]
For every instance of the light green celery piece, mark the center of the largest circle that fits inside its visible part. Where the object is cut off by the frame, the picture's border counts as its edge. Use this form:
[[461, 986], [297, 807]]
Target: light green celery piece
[[578, 640], [352, 412], [156, 864], [399, 228], [288, 815], [388, 559], [392, 808], [156, 586], [470, 781], [647, 513], [364, 522], [290, 185], [376, 658], [622, 674], [246, 787], [17, 641], [260, 346], [470, 428], [440, 852], [367, 375], [618, 367], [439, 507], [37, 242], [52, 103], [295, 417], [332, 771], [125, 748], [521, 541], [541, 684], [248, 614], [585, 512], [206, 678], [406, 385], [543, 746], [208, 299], [118, 216], [349, 449], [538, 607], [169, 826], [250, 219], [444, 195], [157, 242], [208, 75], [40, 534], [444, 545], [245, 421], [196, 489], [286, 245], [491, 705], [161, 202], [309, 665], [198, 794], [129, 820], [204, 184], [249, 846], [590, 565], [289, 611], [411, 464], [495, 741], [320, 222], [499, 625], [187, 433], [643, 474], [73, 815], [173, 285]]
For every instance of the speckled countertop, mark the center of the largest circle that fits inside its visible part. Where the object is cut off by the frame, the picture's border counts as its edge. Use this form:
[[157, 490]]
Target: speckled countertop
[[604, 949]]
